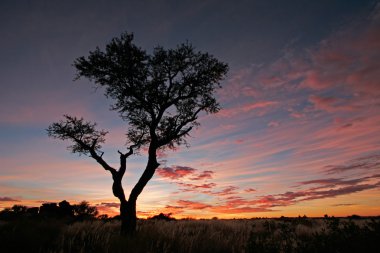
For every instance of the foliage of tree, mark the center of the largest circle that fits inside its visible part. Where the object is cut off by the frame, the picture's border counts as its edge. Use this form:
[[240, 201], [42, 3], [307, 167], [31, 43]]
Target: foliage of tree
[[160, 96], [84, 210], [19, 209]]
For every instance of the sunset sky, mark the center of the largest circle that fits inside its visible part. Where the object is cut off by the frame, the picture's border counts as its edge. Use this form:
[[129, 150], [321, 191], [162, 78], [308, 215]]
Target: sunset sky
[[298, 133]]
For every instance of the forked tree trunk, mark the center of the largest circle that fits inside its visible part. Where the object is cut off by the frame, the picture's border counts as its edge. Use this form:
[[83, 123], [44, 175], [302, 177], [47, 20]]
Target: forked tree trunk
[[128, 208]]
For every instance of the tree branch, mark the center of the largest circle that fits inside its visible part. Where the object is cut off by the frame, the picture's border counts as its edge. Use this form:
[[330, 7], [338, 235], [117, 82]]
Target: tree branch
[[94, 155]]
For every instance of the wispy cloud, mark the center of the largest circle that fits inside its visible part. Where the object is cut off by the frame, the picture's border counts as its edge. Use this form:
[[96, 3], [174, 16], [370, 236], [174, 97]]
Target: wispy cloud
[[370, 162], [262, 108], [326, 188], [330, 104], [175, 172], [319, 189], [8, 199], [192, 205], [226, 191], [345, 204], [227, 208], [249, 190], [207, 174], [191, 187], [110, 204]]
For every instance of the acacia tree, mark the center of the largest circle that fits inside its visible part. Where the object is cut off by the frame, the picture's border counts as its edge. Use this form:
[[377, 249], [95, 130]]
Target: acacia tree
[[159, 95]]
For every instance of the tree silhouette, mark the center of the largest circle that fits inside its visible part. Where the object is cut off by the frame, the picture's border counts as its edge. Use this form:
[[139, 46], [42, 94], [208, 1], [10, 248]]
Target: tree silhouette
[[83, 210], [159, 95], [66, 209]]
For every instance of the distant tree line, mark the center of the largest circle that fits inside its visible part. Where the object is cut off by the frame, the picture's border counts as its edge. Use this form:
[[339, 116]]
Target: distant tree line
[[63, 209]]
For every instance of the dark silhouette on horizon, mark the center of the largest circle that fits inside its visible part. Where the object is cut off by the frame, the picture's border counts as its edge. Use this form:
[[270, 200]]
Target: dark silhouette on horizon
[[58, 232], [158, 95], [62, 210]]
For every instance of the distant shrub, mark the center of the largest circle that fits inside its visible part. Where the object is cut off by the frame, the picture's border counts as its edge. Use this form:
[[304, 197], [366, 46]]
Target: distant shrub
[[83, 211], [161, 216]]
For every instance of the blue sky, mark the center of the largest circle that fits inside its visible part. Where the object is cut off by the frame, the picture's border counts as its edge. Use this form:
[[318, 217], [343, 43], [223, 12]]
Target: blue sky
[[301, 96]]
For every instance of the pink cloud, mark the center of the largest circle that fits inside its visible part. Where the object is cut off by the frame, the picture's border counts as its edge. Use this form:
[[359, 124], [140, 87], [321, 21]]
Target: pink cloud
[[319, 80], [273, 124], [262, 107], [262, 104], [330, 104], [297, 115], [249, 190], [328, 188], [191, 187], [348, 59], [333, 90], [175, 172], [207, 174], [229, 208], [345, 63], [239, 85], [179, 172], [226, 191], [341, 191]]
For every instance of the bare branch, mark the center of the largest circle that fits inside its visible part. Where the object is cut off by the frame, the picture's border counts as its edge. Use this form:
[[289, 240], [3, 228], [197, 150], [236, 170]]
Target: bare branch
[[86, 138]]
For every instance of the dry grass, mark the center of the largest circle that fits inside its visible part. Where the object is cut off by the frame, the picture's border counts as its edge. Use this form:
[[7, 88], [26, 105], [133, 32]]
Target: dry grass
[[185, 236]]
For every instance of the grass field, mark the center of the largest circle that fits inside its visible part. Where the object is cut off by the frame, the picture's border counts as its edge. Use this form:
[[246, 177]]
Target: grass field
[[301, 235]]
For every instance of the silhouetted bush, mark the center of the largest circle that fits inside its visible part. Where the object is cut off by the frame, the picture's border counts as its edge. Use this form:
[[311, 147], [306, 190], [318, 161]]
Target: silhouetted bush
[[161, 216], [83, 211], [49, 210]]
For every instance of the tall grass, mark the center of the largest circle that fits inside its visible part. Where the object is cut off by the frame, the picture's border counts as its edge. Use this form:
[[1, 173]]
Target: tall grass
[[298, 235]]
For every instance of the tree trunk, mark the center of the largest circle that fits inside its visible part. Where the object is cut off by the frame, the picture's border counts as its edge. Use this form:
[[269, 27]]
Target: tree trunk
[[128, 208], [128, 218]]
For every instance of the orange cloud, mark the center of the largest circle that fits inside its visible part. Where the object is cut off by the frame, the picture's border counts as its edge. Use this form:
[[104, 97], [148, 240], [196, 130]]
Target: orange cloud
[[192, 205]]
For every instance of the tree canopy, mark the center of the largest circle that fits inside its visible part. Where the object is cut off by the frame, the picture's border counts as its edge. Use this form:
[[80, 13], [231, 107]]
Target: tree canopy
[[159, 95]]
